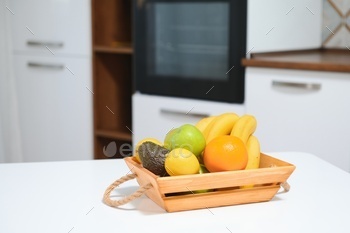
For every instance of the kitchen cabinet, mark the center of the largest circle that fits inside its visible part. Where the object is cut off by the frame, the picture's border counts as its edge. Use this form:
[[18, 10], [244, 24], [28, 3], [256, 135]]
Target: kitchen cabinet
[[301, 111], [55, 107], [112, 76], [52, 68], [51, 26], [155, 116]]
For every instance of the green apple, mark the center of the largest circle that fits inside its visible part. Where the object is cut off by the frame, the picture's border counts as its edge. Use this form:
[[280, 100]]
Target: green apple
[[186, 136], [168, 138]]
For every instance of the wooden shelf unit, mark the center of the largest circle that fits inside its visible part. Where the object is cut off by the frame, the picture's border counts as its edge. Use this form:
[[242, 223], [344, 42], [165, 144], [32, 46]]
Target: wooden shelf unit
[[112, 75], [116, 50]]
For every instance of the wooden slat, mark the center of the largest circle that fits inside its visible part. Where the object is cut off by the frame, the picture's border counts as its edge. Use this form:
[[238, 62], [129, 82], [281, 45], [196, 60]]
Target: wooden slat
[[220, 198], [228, 179], [223, 179]]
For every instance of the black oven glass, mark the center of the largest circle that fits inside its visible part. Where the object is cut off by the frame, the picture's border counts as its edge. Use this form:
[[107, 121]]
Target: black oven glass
[[190, 48]]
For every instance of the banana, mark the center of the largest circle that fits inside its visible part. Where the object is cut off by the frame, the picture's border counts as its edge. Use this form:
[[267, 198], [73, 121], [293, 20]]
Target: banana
[[244, 127], [203, 123], [222, 125], [253, 148]]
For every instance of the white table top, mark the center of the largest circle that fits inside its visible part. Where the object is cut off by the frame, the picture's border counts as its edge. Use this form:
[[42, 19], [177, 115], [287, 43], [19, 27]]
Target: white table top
[[66, 197]]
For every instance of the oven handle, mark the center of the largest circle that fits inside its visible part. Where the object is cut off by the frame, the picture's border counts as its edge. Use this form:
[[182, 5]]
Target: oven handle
[[304, 86], [189, 113]]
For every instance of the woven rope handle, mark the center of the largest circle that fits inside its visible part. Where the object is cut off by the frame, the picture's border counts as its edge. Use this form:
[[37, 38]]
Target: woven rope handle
[[115, 203], [285, 186]]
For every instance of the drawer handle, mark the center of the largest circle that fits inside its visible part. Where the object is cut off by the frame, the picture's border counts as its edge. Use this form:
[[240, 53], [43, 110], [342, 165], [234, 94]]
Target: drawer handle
[[47, 43], [45, 66], [305, 86], [189, 113]]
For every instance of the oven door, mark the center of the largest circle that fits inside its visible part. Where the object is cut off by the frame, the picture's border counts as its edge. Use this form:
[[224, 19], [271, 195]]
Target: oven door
[[190, 48]]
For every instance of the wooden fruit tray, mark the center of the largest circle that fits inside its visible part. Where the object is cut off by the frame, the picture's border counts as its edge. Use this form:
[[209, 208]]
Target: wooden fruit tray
[[178, 193]]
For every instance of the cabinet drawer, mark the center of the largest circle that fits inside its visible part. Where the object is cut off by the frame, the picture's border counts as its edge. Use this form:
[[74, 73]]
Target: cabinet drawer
[[154, 116], [45, 26], [301, 111], [55, 107]]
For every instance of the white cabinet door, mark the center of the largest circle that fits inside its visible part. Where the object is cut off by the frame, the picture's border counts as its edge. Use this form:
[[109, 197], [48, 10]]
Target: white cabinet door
[[55, 107], [301, 111], [154, 116], [51, 26]]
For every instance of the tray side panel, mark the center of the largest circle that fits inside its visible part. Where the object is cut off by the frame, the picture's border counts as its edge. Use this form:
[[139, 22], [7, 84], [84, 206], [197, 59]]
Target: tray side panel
[[224, 179], [143, 178], [220, 198]]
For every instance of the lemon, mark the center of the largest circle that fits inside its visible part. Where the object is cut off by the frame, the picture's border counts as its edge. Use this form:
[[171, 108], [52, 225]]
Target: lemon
[[181, 161], [136, 153]]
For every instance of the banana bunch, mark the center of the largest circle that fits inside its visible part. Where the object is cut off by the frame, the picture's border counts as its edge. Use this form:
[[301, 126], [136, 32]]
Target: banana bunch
[[230, 123]]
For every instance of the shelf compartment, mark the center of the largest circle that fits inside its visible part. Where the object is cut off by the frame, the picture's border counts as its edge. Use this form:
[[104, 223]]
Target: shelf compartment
[[113, 90], [111, 22], [106, 148], [116, 50], [126, 136]]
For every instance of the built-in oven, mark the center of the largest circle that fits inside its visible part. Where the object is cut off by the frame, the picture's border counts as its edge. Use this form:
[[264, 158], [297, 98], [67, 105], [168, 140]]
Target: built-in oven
[[190, 48]]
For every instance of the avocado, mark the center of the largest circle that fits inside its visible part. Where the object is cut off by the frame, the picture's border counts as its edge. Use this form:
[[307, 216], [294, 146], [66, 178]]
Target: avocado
[[152, 157]]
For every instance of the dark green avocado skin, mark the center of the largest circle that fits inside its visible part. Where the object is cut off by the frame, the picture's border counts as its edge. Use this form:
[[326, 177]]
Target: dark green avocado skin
[[153, 157]]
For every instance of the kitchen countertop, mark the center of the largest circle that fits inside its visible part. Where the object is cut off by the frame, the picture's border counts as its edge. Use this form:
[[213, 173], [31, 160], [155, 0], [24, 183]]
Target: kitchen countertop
[[317, 59], [66, 197]]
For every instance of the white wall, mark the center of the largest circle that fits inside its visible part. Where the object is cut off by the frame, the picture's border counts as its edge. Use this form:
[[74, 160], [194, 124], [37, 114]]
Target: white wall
[[275, 25]]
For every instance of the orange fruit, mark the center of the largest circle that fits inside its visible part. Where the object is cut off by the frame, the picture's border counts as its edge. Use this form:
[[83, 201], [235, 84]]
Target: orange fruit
[[225, 153]]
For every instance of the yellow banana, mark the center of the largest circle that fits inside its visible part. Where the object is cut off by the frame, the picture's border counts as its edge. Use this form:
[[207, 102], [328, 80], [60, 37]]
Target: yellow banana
[[253, 148], [204, 122], [244, 127], [222, 125]]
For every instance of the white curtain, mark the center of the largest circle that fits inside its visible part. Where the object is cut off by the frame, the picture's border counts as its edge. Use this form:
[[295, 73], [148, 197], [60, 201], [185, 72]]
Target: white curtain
[[10, 143]]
